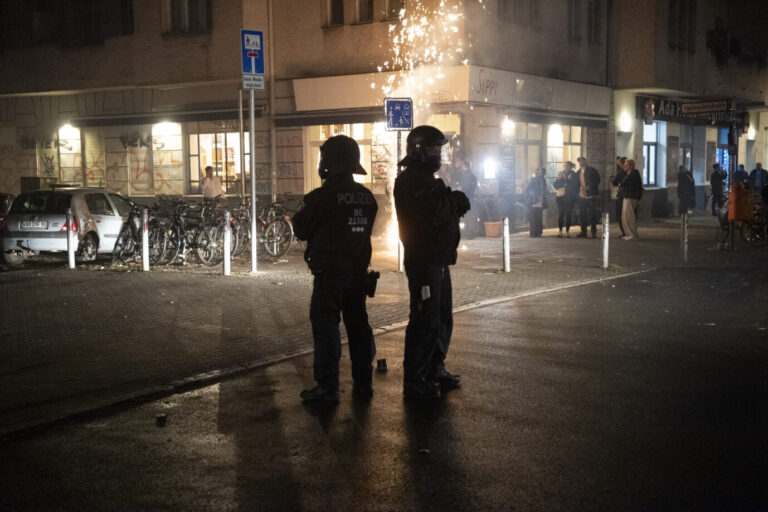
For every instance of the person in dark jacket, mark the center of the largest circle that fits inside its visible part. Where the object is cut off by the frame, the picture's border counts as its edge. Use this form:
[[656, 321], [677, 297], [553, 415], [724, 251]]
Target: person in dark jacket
[[631, 191], [717, 183], [567, 193], [336, 221], [428, 216], [686, 190], [589, 180], [740, 176], [616, 180], [758, 180], [467, 183], [536, 191]]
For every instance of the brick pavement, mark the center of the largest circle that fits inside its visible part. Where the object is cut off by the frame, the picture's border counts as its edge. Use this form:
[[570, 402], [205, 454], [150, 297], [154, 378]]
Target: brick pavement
[[74, 341]]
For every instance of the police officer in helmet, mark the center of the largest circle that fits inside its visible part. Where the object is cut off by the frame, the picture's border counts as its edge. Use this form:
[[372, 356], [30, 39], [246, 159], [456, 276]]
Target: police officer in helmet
[[336, 221], [428, 215]]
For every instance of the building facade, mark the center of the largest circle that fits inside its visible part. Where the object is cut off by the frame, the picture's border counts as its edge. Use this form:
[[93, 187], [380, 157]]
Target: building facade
[[140, 96]]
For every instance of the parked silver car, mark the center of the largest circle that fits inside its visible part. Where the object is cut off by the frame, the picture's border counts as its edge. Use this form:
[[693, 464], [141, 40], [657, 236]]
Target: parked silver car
[[37, 222]]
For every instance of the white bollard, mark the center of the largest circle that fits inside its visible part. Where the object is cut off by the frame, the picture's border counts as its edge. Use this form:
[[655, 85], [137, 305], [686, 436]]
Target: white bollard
[[505, 243], [70, 240], [684, 237], [606, 238], [227, 244], [145, 240]]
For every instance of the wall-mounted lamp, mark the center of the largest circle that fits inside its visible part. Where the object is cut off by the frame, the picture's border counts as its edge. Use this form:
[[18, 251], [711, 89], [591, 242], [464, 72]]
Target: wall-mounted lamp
[[625, 124]]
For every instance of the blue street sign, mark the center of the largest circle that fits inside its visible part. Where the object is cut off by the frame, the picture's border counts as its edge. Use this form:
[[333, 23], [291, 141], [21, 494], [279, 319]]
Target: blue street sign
[[399, 113], [252, 51]]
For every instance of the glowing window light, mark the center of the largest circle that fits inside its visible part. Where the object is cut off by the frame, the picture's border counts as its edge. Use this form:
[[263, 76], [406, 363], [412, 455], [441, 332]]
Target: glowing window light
[[508, 127], [555, 136], [490, 168], [69, 132]]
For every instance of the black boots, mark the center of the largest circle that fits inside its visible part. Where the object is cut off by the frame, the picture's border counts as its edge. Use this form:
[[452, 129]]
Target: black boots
[[320, 394]]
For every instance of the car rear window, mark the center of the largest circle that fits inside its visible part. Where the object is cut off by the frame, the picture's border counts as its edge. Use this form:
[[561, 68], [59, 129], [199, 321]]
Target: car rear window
[[42, 202]]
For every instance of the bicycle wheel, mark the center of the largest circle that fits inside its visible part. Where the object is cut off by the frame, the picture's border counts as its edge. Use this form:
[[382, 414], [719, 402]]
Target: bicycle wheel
[[173, 245], [158, 241], [124, 247], [210, 245], [753, 233], [278, 237], [241, 233]]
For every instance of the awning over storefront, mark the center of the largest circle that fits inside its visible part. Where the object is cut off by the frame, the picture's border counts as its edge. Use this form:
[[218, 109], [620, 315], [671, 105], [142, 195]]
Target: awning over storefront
[[459, 84]]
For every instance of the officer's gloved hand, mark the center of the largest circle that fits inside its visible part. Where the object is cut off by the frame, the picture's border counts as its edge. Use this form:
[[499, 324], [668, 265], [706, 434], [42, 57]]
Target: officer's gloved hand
[[460, 201]]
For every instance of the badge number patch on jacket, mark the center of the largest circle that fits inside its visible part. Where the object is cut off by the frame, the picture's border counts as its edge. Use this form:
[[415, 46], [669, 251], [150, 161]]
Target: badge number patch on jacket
[[358, 221]]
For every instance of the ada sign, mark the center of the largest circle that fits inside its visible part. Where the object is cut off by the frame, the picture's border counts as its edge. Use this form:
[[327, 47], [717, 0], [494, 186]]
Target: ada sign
[[399, 113], [252, 53]]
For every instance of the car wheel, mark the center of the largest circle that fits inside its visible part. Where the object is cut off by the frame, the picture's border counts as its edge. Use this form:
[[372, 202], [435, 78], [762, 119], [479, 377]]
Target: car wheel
[[89, 248], [14, 258]]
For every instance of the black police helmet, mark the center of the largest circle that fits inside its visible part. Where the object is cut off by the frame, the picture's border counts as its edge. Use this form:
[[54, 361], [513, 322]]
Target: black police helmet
[[340, 154], [418, 140]]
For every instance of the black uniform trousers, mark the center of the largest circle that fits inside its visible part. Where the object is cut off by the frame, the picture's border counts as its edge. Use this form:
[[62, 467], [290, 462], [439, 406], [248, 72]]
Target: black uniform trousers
[[430, 323], [333, 295], [588, 214]]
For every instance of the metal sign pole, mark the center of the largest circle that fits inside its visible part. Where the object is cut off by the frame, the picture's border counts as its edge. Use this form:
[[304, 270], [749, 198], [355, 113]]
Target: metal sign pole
[[400, 264], [254, 230], [242, 144]]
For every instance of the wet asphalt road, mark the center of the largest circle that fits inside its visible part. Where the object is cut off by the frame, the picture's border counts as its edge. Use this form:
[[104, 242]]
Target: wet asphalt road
[[648, 392]]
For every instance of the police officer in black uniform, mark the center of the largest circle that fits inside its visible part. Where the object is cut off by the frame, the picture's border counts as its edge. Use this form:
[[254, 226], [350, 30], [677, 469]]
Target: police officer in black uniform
[[336, 221], [428, 215]]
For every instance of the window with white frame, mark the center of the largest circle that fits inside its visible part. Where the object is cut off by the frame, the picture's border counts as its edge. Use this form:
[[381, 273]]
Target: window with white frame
[[563, 145], [186, 16], [520, 12], [334, 13], [594, 21], [681, 32], [364, 11], [574, 19], [393, 8], [650, 153]]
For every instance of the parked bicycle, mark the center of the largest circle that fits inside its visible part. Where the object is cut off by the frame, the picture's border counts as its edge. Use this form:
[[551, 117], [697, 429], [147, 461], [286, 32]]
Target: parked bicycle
[[754, 231], [275, 230], [128, 247]]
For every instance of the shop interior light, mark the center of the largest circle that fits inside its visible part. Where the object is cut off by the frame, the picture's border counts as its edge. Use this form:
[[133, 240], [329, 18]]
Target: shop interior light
[[751, 133], [490, 168], [507, 127], [555, 136]]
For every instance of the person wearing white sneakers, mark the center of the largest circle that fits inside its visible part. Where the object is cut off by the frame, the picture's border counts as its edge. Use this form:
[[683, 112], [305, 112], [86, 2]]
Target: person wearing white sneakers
[[631, 191]]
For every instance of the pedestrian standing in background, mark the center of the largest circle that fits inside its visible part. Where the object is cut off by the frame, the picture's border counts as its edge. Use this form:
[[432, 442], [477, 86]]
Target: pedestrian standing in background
[[589, 180], [740, 176], [631, 191], [536, 197], [616, 180], [210, 186], [686, 190], [567, 193], [758, 181], [428, 216], [337, 221], [717, 184], [467, 183]]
